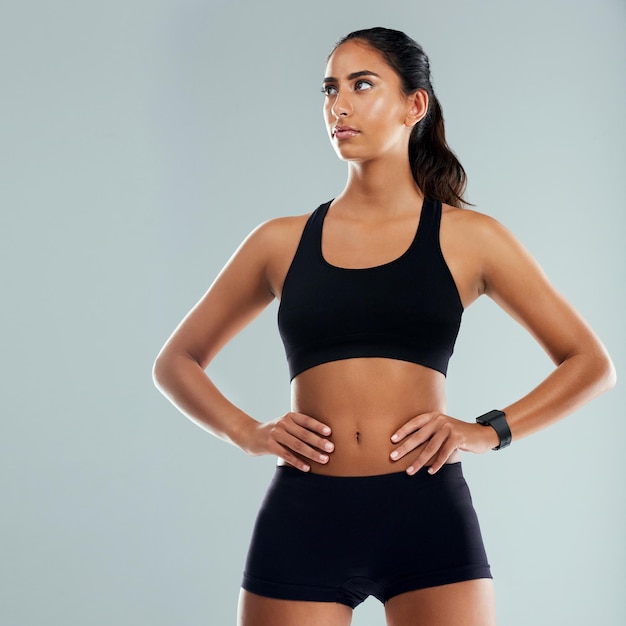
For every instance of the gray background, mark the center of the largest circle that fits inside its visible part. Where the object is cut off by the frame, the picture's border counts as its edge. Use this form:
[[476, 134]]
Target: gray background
[[141, 142]]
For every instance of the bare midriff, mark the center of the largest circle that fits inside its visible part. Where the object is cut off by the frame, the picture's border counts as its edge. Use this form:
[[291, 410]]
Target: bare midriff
[[364, 401]]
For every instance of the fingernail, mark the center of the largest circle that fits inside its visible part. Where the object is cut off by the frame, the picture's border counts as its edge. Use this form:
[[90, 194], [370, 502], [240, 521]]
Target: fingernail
[[326, 430], [306, 468], [394, 437], [394, 454], [410, 470], [431, 470], [323, 458], [329, 447]]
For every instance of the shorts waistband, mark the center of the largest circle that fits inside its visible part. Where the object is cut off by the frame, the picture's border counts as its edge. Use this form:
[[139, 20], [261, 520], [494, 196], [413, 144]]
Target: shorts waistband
[[287, 471]]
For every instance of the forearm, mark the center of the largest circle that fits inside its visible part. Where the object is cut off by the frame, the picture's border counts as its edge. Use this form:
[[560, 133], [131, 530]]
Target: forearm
[[185, 384], [576, 381]]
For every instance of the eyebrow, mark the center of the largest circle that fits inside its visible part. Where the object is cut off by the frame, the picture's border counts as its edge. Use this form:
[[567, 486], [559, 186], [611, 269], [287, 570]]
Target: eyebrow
[[332, 79]]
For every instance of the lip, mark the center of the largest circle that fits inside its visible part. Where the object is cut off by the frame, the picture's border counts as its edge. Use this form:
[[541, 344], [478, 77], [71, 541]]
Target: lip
[[344, 132]]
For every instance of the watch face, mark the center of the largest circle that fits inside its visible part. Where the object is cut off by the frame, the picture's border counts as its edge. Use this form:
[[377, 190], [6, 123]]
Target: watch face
[[487, 418]]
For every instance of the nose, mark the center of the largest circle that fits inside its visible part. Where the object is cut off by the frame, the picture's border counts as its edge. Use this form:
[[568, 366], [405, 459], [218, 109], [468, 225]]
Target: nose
[[342, 105]]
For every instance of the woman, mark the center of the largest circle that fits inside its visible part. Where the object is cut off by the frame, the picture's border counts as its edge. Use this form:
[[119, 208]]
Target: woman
[[369, 496]]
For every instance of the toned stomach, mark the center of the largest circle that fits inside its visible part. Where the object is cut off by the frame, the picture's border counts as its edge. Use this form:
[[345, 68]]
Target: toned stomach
[[364, 401]]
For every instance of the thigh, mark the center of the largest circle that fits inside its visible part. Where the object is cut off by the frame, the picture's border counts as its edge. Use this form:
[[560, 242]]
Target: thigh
[[255, 610], [468, 603]]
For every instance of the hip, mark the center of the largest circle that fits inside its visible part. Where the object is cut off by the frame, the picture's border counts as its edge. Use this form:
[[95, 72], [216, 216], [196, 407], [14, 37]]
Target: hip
[[342, 538], [369, 503]]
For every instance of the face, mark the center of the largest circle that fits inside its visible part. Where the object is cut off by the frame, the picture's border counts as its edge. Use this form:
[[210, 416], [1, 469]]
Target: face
[[367, 114]]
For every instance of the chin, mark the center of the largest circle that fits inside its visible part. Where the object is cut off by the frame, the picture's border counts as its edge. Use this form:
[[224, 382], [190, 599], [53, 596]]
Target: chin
[[348, 153]]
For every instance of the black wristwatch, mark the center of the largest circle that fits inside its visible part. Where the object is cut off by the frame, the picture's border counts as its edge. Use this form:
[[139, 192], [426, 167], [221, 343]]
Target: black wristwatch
[[497, 420]]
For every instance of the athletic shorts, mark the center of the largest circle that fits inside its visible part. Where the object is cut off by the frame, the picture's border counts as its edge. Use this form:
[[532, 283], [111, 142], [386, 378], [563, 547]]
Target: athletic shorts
[[343, 538]]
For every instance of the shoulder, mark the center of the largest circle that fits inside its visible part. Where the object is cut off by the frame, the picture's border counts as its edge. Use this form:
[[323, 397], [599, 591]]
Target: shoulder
[[275, 242], [275, 230], [478, 230], [273, 234], [272, 245], [482, 243], [477, 223]]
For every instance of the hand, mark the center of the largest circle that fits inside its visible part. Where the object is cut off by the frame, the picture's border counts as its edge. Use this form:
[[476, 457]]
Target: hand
[[439, 435], [290, 437]]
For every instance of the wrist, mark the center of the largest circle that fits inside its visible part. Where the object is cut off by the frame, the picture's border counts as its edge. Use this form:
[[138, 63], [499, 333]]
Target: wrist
[[495, 421], [488, 436], [242, 434]]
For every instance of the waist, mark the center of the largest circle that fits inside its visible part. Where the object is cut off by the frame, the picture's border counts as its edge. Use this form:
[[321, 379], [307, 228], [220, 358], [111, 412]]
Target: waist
[[364, 401], [348, 459], [288, 473]]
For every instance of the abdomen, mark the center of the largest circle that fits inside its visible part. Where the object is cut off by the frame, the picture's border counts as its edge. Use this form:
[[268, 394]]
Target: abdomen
[[364, 401]]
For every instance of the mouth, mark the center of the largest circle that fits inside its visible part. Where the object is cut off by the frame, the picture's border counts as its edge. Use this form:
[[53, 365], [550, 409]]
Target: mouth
[[344, 132]]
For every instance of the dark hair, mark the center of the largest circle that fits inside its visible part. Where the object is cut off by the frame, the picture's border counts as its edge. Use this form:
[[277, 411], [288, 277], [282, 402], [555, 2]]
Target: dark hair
[[436, 170]]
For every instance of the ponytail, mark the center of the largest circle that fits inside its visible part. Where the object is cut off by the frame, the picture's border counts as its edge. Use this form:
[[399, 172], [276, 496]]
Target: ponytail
[[436, 170]]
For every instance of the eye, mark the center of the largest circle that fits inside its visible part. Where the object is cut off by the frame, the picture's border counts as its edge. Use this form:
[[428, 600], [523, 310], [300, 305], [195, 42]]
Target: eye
[[329, 90], [362, 85]]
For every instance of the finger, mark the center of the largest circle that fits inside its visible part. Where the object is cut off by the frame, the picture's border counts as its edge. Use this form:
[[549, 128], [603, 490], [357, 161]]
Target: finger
[[310, 437], [416, 440], [419, 421], [444, 454], [292, 459], [310, 423], [428, 451], [300, 447]]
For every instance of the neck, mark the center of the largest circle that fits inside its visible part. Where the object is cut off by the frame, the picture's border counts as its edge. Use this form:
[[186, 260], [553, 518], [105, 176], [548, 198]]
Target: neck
[[381, 185]]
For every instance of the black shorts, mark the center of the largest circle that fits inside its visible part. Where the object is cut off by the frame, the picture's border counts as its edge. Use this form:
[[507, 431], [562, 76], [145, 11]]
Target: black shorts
[[340, 539]]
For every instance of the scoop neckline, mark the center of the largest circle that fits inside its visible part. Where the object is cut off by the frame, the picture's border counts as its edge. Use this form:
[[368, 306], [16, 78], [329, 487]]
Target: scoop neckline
[[371, 267]]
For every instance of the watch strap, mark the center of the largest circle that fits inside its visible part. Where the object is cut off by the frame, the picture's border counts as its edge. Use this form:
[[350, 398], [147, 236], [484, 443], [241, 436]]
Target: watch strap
[[497, 420]]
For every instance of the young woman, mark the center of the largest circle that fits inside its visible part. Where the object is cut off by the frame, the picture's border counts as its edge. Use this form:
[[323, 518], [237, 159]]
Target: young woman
[[369, 496]]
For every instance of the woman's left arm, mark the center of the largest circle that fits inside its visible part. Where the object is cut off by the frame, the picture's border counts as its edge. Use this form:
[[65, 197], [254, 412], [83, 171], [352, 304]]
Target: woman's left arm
[[514, 280]]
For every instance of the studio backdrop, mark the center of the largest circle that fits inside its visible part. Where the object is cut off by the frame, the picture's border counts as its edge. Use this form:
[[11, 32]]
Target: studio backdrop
[[141, 142]]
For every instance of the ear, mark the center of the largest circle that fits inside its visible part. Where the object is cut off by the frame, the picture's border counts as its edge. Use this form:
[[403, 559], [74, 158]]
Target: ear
[[417, 107]]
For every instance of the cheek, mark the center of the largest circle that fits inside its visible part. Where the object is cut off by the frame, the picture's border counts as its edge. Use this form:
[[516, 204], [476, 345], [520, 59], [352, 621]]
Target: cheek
[[326, 111], [383, 114]]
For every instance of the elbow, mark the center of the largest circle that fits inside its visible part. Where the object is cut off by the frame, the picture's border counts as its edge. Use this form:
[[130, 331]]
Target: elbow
[[167, 367], [157, 372], [161, 370], [606, 375], [610, 375]]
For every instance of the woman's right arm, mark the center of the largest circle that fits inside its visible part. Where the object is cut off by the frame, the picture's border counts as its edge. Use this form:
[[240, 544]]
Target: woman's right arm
[[238, 295]]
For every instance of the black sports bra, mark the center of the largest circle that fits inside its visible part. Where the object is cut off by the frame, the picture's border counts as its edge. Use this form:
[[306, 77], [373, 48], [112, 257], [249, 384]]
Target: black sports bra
[[408, 309]]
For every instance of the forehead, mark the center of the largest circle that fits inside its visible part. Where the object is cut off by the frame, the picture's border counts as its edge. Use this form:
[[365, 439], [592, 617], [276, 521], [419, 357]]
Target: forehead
[[353, 56]]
